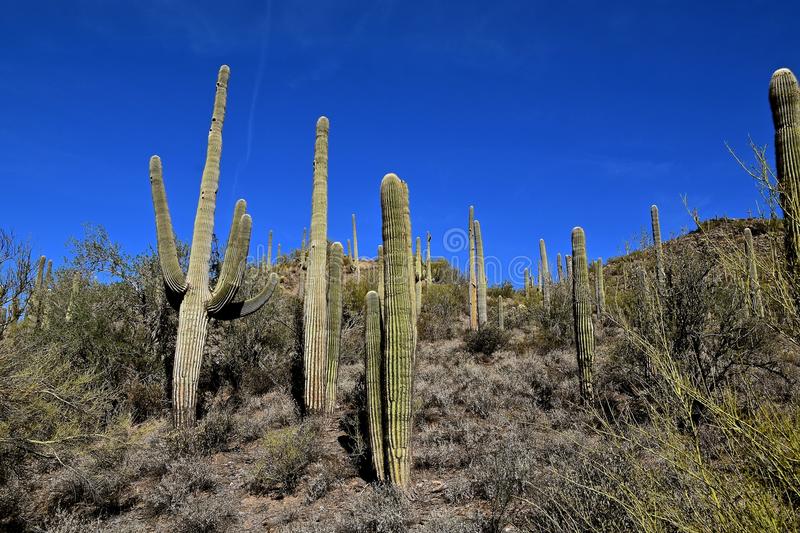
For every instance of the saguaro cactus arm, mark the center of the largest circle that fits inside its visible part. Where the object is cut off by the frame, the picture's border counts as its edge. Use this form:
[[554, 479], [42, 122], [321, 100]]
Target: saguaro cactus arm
[[235, 261], [174, 278], [247, 307]]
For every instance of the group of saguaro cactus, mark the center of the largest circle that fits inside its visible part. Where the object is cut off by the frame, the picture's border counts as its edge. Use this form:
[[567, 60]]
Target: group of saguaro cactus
[[784, 99], [190, 293], [390, 341]]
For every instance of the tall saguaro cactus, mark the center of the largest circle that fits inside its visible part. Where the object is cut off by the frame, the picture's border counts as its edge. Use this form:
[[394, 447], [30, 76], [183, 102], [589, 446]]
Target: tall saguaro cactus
[[559, 269], [756, 303], [582, 313], [661, 277], [428, 272], [600, 287], [784, 99], [398, 330], [315, 329], [568, 262], [355, 249], [190, 293], [269, 249], [545, 275], [46, 303], [418, 276], [481, 276], [33, 306], [473, 277], [335, 260], [527, 283], [381, 277], [373, 356]]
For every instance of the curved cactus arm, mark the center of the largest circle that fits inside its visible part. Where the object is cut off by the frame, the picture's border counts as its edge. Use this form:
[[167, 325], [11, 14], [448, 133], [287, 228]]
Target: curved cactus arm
[[226, 289], [174, 278], [230, 263], [247, 307]]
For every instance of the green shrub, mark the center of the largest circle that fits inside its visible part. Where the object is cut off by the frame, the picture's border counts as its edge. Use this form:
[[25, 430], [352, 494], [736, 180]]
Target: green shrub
[[486, 340], [285, 456], [442, 309]]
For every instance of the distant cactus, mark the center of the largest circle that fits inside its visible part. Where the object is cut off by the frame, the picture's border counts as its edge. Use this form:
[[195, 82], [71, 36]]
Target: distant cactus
[[500, 319], [278, 254], [33, 306], [582, 314], [190, 293], [756, 303], [314, 304], [481, 276], [600, 287], [784, 99], [335, 259], [355, 250], [73, 296], [418, 276], [428, 270], [398, 330], [568, 262], [473, 278], [373, 357], [559, 270], [656, 224], [46, 303], [381, 277], [269, 250], [545, 275], [527, 283]]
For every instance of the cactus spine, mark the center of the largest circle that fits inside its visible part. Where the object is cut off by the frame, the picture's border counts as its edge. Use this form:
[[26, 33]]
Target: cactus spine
[[582, 314], [544, 275], [756, 303], [314, 303], [500, 319], [481, 275], [372, 367], [334, 323], [784, 99], [428, 271], [661, 277], [418, 272], [398, 331], [190, 293], [473, 278], [355, 249], [600, 287]]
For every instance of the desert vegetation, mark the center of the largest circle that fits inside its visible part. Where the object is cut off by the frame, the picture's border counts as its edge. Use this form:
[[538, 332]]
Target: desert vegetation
[[655, 391]]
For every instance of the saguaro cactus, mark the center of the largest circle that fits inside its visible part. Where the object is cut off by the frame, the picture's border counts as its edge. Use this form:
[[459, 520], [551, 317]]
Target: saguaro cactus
[[418, 276], [756, 303], [269, 249], [190, 293], [373, 356], [473, 278], [559, 269], [73, 296], [334, 323], [545, 278], [428, 271], [784, 99], [349, 251], [303, 242], [481, 276], [398, 329], [355, 249], [315, 329], [568, 262], [33, 311], [661, 277], [600, 287], [46, 304], [500, 319], [527, 283], [582, 314], [381, 277]]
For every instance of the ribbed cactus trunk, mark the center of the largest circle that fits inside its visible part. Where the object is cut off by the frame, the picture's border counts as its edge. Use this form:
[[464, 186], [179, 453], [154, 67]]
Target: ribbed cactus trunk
[[334, 323], [33, 311], [784, 99], [314, 304], [582, 314], [500, 318], [428, 271], [661, 277], [756, 302], [544, 279], [190, 293], [355, 250], [481, 275], [473, 277], [303, 242], [381, 278], [600, 287], [349, 251], [527, 283], [418, 276], [398, 328], [269, 250], [410, 251], [73, 296], [46, 303], [568, 261], [559, 270], [373, 355], [278, 254]]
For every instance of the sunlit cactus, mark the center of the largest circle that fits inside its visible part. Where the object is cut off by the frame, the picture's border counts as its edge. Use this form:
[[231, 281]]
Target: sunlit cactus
[[373, 357], [315, 329], [784, 99], [46, 304], [656, 225], [756, 303], [381, 277], [418, 276], [544, 275], [527, 282], [269, 249], [190, 293], [33, 306], [600, 287], [582, 314], [481, 275], [73, 296], [473, 277], [428, 270], [355, 250], [500, 318], [568, 262], [559, 270], [335, 260]]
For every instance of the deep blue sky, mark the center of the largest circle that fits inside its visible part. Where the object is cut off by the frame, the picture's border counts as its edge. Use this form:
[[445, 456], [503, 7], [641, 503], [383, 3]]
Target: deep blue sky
[[544, 115]]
